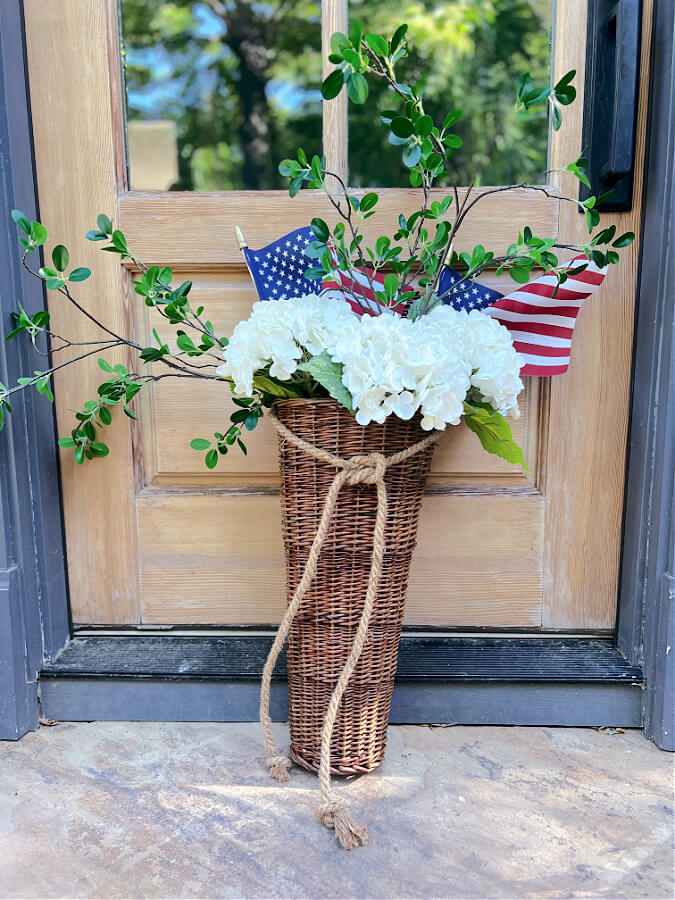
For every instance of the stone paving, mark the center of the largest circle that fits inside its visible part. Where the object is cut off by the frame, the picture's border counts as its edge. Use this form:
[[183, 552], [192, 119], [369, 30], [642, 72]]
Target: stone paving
[[163, 810]]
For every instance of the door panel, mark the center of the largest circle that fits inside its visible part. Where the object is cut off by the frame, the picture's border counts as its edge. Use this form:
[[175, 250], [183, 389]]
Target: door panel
[[155, 538], [209, 558]]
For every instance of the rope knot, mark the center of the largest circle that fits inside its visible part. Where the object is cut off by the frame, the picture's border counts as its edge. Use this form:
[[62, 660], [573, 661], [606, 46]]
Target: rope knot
[[368, 468], [278, 767], [332, 814]]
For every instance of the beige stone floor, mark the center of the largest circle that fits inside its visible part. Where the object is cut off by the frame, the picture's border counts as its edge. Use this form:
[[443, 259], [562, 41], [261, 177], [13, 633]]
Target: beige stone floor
[[183, 810]]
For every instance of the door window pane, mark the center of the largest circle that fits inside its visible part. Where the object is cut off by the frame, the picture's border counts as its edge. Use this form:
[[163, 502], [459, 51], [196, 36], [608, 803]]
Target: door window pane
[[219, 91], [470, 53]]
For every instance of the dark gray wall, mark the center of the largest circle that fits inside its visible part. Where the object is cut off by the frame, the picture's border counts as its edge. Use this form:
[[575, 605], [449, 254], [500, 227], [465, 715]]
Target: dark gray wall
[[647, 603], [33, 606]]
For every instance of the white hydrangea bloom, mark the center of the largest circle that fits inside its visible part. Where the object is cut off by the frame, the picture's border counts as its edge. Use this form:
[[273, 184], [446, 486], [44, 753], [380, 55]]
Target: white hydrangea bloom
[[390, 364], [494, 362], [277, 333]]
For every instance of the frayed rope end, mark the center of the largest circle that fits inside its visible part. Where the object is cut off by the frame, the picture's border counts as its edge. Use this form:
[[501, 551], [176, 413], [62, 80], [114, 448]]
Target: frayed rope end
[[333, 815], [278, 767]]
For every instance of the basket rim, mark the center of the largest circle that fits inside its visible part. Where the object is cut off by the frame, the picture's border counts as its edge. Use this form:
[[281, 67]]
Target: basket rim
[[314, 401]]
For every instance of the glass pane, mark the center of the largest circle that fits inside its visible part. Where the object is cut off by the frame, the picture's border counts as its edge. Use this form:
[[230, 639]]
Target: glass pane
[[470, 54], [219, 91]]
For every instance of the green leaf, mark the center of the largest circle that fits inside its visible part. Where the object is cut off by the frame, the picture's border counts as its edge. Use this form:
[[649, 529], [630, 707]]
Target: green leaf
[[99, 448], [329, 375], [295, 185], [452, 118], [251, 422], [377, 43], [21, 220], [66, 442], [453, 141], [80, 274], [399, 34], [104, 415], [102, 364], [351, 56], [556, 117], [493, 431], [104, 224], [211, 459], [521, 275], [390, 286], [415, 178], [624, 240], [411, 155], [38, 233], [60, 257], [96, 236], [269, 385], [200, 444], [54, 284], [355, 32], [185, 343], [357, 87], [424, 125], [566, 79], [332, 84], [320, 229], [339, 42], [368, 201], [402, 127]]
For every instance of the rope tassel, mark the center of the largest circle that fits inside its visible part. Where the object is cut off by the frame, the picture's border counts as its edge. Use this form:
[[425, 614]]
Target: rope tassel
[[333, 815], [365, 469]]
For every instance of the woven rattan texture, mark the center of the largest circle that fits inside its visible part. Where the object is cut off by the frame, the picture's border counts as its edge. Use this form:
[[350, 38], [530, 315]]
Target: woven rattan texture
[[323, 631]]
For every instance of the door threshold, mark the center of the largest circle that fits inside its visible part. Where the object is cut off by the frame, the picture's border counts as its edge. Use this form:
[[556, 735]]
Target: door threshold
[[475, 680], [166, 631]]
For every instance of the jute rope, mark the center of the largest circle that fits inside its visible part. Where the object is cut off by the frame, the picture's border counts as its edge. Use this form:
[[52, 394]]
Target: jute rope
[[363, 469]]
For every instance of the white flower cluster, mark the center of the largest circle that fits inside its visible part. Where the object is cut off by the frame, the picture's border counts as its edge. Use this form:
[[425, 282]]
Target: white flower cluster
[[278, 332], [390, 364]]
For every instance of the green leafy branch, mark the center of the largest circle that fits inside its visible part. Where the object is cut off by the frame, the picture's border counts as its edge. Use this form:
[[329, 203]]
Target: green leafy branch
[[426, 151]]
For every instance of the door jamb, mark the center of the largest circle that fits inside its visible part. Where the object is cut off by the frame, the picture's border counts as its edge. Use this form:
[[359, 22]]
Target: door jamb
[[34, 617], [646, 620]]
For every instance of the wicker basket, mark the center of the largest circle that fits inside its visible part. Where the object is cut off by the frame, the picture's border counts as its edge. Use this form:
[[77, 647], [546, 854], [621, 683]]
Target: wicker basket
[[323, 630]]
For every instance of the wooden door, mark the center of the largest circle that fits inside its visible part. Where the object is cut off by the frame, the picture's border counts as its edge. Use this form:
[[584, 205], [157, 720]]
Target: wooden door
[[155, 539]]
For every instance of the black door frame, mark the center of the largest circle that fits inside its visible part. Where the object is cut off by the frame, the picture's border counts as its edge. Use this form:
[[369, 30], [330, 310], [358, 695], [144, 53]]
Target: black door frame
[[34, 618], [501, 680]]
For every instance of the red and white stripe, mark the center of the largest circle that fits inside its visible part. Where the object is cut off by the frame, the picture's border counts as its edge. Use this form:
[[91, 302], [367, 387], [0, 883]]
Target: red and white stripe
[[542, 325], [345, 286]]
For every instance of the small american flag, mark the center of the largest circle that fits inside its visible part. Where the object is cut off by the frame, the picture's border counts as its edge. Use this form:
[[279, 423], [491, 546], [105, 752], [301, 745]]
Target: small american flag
[[461, 293], [542, 324], [278, 270], [278, 273]]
